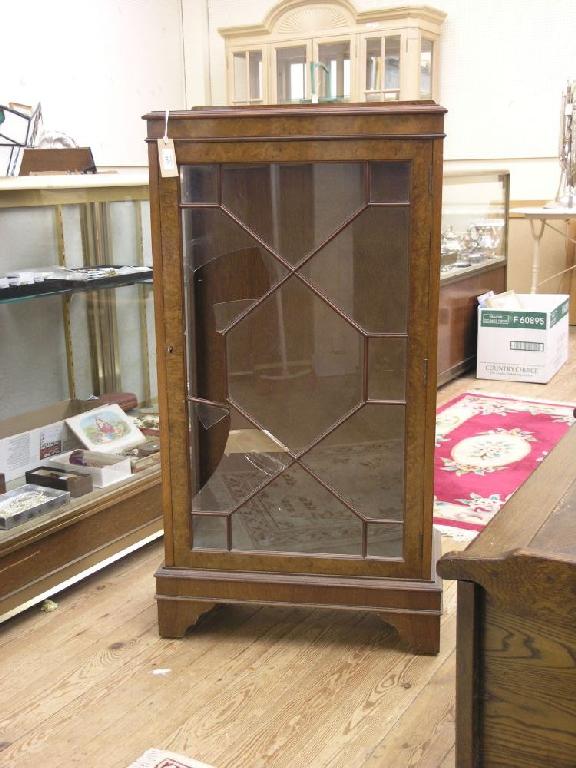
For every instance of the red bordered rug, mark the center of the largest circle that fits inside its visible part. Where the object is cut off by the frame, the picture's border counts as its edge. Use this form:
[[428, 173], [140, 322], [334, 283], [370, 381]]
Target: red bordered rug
[[486, 447]]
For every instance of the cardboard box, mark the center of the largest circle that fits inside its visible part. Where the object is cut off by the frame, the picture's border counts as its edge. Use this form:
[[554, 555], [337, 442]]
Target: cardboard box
[[530, 344]]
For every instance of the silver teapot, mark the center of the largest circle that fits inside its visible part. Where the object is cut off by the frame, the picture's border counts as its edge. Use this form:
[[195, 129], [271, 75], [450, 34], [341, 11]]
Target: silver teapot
[[486, 237], [451, 247]]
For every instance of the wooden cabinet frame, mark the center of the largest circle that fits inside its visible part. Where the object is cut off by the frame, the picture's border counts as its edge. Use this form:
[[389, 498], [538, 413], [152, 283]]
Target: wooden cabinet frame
[[404, 589]]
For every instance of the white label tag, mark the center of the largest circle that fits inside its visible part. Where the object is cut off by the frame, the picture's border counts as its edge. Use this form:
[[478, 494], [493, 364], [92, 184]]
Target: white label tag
[[167, 157]]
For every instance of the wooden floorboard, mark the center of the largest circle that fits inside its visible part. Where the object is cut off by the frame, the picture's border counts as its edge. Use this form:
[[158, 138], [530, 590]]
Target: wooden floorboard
[[92, 685]]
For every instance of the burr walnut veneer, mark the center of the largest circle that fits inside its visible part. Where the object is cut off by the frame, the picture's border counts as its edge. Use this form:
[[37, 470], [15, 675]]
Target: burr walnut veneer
[[296, 267]]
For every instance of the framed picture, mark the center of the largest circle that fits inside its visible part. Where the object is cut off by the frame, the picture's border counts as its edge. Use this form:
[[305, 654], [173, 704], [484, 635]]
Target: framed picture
[[106, 429]]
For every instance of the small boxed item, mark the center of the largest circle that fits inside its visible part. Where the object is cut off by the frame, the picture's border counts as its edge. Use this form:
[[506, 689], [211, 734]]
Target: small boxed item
[[104, 468], [28, 501], [527, 344], [74, 482], [27, 440], [140, 463], [106, 429]]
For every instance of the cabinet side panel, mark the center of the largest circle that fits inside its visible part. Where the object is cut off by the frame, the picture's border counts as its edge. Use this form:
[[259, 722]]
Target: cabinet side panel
[[432, 342], [468, 674], [529, 714], [156, 233]]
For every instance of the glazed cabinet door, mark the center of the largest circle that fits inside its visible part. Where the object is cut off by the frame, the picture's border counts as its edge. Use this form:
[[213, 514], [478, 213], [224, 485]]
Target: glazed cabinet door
[[306, 298]]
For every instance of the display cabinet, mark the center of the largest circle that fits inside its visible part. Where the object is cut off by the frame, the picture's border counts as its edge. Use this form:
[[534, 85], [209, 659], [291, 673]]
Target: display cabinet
[[325, 51], [296, 260], [473, 260], [77, 320]]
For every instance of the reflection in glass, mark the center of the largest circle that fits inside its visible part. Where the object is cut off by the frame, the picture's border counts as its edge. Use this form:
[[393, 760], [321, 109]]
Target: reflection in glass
[[209, 414], [363, 460], [241, 459], [385, 540], [291, 74], [364, 270], [294, 513], [426, 64], [294, 365], [199, 183], [293, 207], [210, 235], [386, 369], [390, 182], [392, 63], [226, 271], [209, 532], [334, 70], [240, 71]]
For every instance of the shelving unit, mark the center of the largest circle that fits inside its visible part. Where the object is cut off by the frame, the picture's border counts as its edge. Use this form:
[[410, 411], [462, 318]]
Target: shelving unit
[[62, 346]]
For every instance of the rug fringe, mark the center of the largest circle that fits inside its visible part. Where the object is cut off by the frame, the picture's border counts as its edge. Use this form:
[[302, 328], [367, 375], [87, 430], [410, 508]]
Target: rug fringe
[[501, 395]]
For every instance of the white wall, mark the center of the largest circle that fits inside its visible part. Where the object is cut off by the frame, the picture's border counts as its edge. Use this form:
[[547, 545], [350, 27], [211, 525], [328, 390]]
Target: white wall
[[504, 64], [97, 66]]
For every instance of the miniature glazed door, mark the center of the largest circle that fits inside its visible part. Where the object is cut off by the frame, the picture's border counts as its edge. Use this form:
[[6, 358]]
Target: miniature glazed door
[[304, 369], [297, 348]]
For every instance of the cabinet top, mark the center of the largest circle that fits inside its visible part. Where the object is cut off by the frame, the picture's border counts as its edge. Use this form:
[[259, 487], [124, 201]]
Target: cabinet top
[[326, 108], [526, 556], [414, 119]]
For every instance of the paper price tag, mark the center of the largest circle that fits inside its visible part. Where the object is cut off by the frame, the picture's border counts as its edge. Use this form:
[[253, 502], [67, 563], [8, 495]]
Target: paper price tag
[[167, 157]]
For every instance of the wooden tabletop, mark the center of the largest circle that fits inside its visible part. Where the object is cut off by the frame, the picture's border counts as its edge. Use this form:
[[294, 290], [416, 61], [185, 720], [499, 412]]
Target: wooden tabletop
[[527, 553]]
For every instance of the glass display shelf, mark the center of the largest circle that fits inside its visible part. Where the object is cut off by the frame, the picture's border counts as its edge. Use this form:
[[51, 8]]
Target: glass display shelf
[[90, 343], [40, 290]]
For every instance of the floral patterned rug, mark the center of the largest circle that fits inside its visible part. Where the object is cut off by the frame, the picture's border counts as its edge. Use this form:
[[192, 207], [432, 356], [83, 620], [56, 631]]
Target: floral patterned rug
[[158, 758], [486, 447]]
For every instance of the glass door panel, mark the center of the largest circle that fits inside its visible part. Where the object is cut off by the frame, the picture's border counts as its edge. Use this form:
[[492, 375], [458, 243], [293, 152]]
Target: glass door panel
[[247, 77], [426, 67], [291, 78], [373, 63], [334, 70], [297, 316], [382, 64], [392, 66], [240, 68], [255, 75]]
